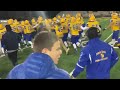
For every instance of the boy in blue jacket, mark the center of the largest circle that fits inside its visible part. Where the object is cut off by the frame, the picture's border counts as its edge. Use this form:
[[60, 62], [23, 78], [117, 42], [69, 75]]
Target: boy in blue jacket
[[98, 57], [41, 63]]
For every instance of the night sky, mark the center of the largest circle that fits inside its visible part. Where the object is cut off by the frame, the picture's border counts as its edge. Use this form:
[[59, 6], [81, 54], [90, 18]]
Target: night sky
[[25, 14]]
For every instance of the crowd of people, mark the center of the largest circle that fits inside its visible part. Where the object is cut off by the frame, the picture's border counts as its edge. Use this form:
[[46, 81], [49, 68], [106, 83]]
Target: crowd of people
[[68, 29]]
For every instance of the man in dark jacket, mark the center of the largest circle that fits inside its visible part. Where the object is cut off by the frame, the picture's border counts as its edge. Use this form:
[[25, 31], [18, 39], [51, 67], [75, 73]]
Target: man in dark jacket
[[41, 63], [10, 43], [98, 57]]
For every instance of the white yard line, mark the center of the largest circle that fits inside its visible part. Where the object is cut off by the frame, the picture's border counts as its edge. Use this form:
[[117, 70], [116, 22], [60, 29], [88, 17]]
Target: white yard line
[[108, 37], [2, 56]]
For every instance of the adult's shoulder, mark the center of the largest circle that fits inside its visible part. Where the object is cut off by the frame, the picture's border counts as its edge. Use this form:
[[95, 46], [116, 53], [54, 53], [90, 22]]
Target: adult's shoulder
[[16, 72], [86, 48], [106, 44], [13, 33]]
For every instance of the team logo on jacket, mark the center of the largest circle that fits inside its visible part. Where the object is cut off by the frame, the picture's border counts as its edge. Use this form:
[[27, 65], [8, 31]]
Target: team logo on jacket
[[102, 56]]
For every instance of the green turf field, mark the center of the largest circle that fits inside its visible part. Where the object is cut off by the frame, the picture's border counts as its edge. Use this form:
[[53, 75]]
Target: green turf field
[[66, 62]]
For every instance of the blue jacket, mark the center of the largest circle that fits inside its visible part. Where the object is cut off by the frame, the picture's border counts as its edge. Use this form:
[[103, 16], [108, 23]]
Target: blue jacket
[[98, 57], [38, 66]]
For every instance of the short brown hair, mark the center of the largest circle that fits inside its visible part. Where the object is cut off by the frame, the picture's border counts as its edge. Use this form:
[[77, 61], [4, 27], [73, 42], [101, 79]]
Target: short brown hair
[[44, 39]]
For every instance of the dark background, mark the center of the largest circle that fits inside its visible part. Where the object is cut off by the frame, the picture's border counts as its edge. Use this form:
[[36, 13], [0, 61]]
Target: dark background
[[22, 15]]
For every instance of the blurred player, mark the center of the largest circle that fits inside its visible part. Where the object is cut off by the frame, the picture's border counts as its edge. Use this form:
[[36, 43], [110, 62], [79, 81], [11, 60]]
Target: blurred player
[[2, 32], [92, 22], [59, 33], [27, 33], [74, 31], [34, 29], [16, 29], [115, 27], [64, 28]]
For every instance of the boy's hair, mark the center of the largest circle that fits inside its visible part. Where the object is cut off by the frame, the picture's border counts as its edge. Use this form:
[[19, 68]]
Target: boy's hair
[[8, 28], [93, 32], [44, 39]]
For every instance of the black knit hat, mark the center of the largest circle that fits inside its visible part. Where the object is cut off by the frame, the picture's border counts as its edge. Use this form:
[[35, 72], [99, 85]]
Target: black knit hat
[[93, 32]]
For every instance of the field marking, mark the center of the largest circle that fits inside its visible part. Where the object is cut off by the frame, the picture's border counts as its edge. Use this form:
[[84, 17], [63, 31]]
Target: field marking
[[108, 37], [2, 56], [116, 47]]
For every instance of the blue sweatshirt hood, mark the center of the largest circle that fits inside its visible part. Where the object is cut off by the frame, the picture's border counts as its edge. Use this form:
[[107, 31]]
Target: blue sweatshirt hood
[[38, 65]]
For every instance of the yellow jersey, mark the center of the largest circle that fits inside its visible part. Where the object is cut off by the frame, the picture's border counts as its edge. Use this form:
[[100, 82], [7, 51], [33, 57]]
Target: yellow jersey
[[21, 28], [0, 36], [82, 20], [15, 28], [58, 31], [27, 29], [12, 25], [33, 29], [33, 24], [64, 27], [115, 24], [74, 29], [2, 31]]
